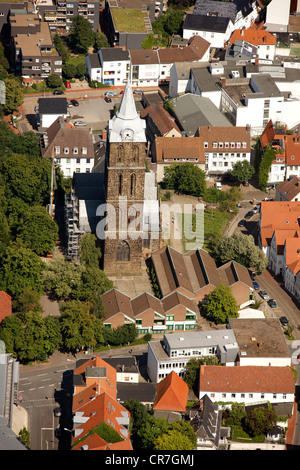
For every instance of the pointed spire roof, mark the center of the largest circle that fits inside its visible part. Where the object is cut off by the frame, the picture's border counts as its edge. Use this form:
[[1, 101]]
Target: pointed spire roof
[[126, 125]]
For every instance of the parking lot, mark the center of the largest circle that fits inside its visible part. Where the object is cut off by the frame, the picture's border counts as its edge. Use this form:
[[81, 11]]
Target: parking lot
[[92, 109]]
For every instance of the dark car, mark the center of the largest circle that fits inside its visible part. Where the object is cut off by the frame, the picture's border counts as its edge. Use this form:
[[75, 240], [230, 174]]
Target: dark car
[[74, 102], [255, 285], [107, 99], [284, 321], [58, 92], [272, 303], [249, 215], [242, 223]]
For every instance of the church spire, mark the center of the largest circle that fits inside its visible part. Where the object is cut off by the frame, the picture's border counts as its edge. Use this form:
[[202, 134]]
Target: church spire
[[126, 125]]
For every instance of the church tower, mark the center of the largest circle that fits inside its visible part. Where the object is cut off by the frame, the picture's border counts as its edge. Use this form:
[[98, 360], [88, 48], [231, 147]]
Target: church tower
[[125, 186]]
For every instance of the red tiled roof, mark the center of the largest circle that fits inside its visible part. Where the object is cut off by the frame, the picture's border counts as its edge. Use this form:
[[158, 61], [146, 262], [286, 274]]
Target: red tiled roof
[[172, 394], [5, 305], [102, 408], [253, 36], [246, 379], [287, 218]]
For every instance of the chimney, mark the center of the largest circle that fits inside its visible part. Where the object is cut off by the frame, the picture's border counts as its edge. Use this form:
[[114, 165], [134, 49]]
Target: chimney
[[104, 134], [223, 81]]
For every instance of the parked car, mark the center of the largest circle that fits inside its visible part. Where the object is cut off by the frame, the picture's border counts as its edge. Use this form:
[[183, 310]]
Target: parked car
[[80, 123], [255, 210], [110, 93], [121, 92], [272, 303], [57, 411], [107, 99], [249, 215], [284, 321], [255, 285], [74, 102], [69, 104], [138, 91], [67, 84], [264, 294], [58, 92], [242, 223]]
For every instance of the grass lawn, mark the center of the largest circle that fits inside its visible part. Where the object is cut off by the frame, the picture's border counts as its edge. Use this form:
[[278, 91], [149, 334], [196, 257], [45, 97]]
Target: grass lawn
[[128, 20], [239, 435], [77, 59], [215, 223], [295, 51]]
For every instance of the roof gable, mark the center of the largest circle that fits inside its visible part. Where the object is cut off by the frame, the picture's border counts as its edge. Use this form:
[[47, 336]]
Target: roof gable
[[172, 394]]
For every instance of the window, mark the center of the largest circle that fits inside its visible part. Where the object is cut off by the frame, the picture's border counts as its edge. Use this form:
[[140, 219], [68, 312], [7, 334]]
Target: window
[[77, 160], [220, 145], [244, 145], [68, 160], [139, 322], [66, 150], [226, 145], [215, 145], [57, 150], [84, 150], [206, 145], [75, 150]]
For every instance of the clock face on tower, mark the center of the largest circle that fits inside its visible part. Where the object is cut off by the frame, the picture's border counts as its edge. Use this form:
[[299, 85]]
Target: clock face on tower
[[127, 134]]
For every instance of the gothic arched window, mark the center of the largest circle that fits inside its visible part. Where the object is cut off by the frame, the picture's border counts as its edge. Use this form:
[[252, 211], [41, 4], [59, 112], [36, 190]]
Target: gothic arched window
[[121, 153], [120, 184], [123, 251], [132, 185], [135, 154]]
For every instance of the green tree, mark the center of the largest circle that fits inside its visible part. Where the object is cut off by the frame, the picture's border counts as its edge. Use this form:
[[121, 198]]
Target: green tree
[[81, 35], [90, 252], [191, 375], [69, 71], [27, 178], [10, 328], [260, 420], [53, 336], [29, 344], [26, 301], [38, 231], [24, 436], [61, 48], [81, 70], [221, 305], [100, 41], [173, 440], [54, 81], [62, 277], [241, 248], [79, 328], [20, 269], [243, 170], [13, 94], [264, 167], [185, 178]]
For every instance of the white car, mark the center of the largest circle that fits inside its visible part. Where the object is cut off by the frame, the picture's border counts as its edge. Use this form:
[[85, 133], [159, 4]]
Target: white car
[[80, 123], [138, 91], [264, 295], [110, 93]]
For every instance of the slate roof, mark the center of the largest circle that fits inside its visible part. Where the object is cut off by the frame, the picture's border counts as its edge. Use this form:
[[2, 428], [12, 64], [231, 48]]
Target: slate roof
[[215, 24], [53, 105], [192, 111], [114, 53]]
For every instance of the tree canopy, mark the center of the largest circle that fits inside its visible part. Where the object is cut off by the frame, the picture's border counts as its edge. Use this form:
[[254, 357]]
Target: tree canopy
[[81, 35], [241, 248], [243, 170], [221, 305], [185, 178]]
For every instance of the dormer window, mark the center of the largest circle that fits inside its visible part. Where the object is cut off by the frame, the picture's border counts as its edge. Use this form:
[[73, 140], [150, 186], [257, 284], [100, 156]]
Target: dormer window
[[66, 150], [206, 145], [57, 150], [84, 150], [75, 150]]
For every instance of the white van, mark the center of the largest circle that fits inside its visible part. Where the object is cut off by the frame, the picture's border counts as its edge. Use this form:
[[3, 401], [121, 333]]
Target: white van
[[218, 185]]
